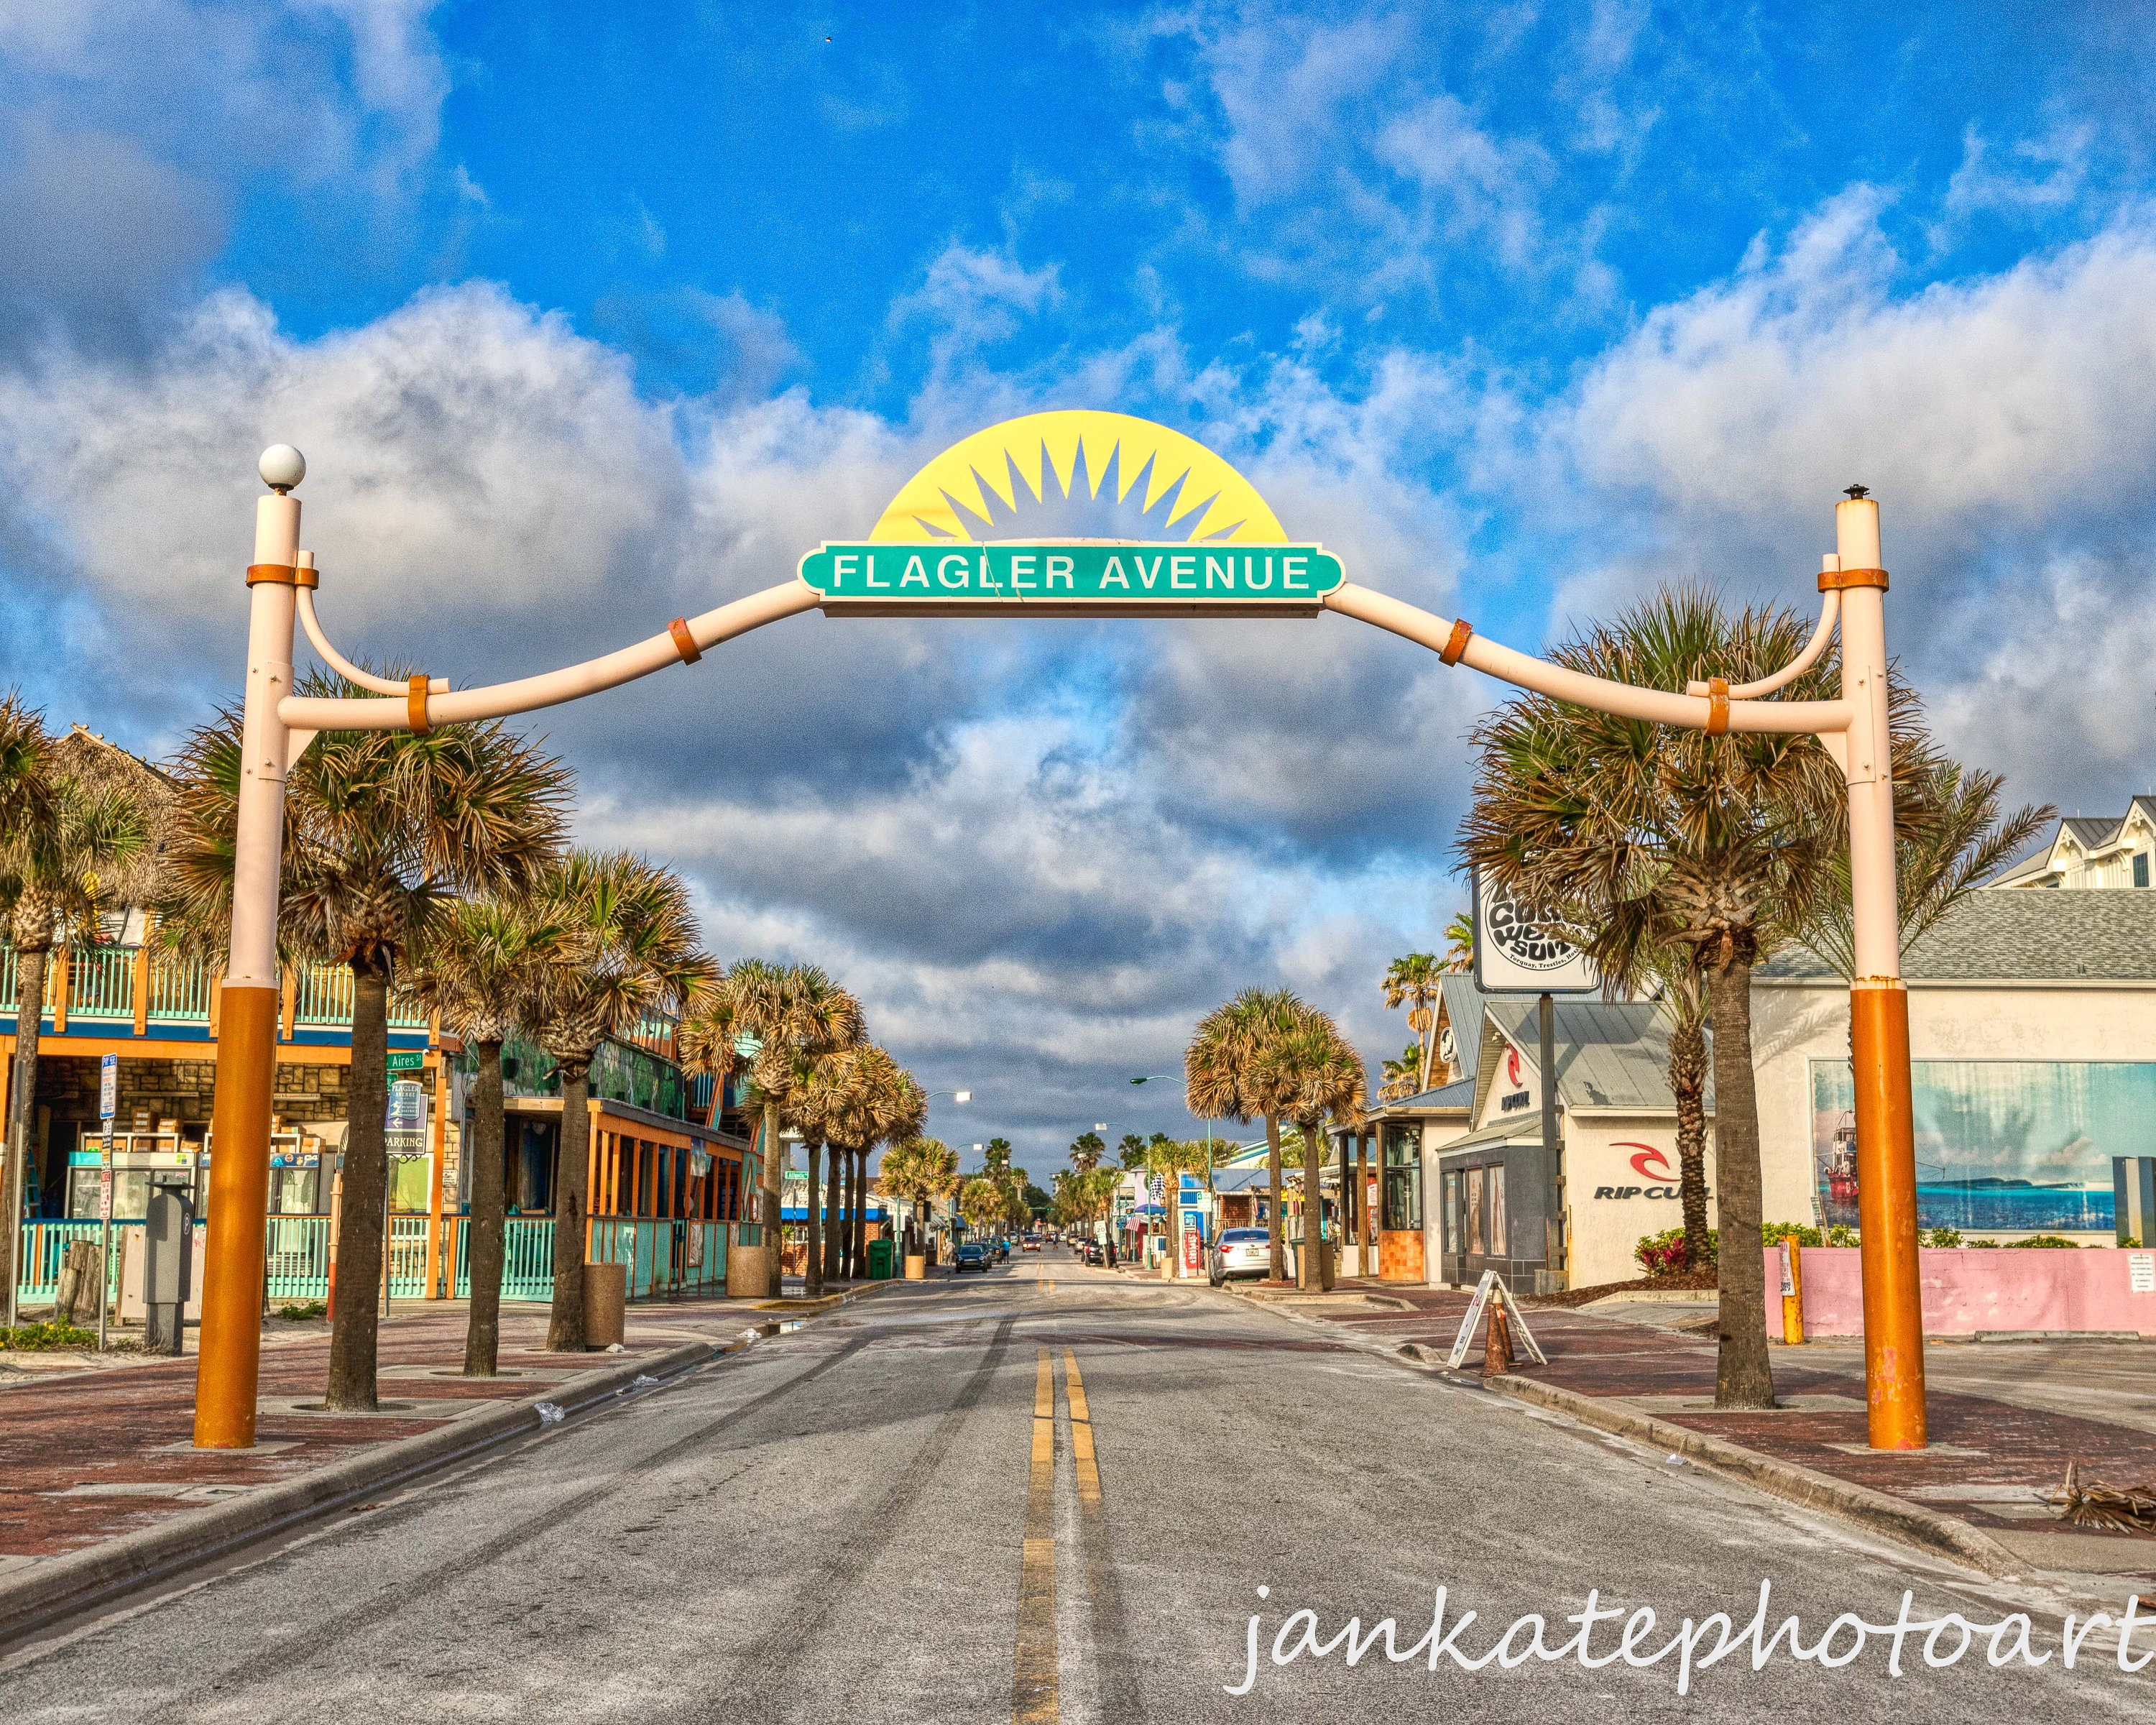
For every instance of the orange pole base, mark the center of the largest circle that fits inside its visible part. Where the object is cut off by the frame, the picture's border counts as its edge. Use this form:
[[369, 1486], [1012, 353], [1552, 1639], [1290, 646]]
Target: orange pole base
[[1887, 1213], [226, 1374]]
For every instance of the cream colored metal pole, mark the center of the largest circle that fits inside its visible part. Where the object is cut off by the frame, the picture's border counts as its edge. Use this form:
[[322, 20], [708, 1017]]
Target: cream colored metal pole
[[1878, 1002], [226, 1376]]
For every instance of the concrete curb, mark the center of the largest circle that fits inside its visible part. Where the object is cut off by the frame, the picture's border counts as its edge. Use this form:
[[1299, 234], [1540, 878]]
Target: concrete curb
[[1909, 1523], [34, 1597]]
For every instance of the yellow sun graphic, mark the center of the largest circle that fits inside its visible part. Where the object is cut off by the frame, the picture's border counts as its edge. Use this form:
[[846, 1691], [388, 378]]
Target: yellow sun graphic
[[1079, 475]]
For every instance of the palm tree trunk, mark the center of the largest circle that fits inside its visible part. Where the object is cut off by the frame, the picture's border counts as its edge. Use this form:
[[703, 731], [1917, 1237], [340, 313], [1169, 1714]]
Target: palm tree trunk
[[849, 1267], [565, 1324], [812, 1270], [862, 1212], [483, 1239], [1313, 1214], [360, 1216], [1688, 1086], [773, 1171], [834, 1219], [30, 963], [842, 1242], [1743, 1376], [1277, 1233]]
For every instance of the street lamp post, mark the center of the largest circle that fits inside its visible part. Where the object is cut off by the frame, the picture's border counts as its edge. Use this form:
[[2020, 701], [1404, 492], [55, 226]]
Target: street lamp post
[[1211, 1202], [278, 725]]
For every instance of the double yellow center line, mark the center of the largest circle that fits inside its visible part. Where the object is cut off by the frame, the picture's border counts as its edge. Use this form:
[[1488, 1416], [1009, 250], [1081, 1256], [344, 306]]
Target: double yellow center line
[[1035, 1694]]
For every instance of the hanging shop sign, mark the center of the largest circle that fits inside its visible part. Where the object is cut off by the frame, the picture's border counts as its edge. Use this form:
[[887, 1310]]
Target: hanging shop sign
[[1523, 948]]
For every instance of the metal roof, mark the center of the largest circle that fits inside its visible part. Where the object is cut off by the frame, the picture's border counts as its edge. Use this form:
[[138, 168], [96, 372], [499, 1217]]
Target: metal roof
[[1610, 1054], [1460, 1095], [2096, 934]]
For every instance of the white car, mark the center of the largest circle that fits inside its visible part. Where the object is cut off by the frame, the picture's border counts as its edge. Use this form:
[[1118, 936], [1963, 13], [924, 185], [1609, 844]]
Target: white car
[[1239, 1251]]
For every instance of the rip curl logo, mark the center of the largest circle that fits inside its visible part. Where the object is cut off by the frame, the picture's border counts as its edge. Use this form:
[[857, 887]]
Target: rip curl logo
[[1649, 1163], [1512, 1064]]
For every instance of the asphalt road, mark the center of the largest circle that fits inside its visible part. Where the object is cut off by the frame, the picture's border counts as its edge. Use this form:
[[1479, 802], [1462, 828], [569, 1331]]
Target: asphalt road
[[1049, 1494]]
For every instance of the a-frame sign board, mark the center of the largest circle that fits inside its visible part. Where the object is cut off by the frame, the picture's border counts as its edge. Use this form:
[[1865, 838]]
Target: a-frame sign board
[[1492, 1287]]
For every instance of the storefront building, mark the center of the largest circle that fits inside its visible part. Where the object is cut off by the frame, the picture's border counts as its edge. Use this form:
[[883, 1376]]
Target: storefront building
[[2032, 1032]]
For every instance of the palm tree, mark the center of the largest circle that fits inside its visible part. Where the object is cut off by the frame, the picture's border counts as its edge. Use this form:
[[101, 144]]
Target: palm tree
[[1172, 1159], [814, 1087], [1086, 1150], [789, 1009], [708, 1039], [893, 1109], [1316, 1073], [1402, 1077], [628, 943], [920, 1170], [1226, 1076], [486, 966], [981, 1203], [1460, 943], [76, 846], [1414, 981], [1723, 846], [381, 827]]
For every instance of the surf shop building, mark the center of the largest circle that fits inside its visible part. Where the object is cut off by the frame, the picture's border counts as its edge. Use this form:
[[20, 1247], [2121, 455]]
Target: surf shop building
[[2033, 1038]]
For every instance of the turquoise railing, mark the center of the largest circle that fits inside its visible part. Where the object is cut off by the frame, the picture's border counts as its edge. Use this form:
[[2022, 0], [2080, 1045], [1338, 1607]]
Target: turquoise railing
[[104, 984], [666, 1258], [528, 1263]]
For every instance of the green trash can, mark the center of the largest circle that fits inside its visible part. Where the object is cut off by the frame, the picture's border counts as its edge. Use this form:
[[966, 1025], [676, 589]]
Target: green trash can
[[880, 1259]]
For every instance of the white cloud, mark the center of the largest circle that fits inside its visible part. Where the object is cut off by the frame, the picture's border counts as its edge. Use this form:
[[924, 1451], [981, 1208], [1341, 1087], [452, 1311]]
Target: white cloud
[[2007, 422], [2040, 173]]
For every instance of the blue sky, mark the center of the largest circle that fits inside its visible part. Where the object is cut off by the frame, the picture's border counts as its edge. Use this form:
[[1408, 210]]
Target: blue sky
[[588, 316]]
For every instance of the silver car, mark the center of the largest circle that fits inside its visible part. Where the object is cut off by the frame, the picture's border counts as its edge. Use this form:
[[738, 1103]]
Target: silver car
[[1239, 1251]]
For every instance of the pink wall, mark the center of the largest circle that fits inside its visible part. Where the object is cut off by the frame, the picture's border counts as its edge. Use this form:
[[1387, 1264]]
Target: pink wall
[[1965, 1291]]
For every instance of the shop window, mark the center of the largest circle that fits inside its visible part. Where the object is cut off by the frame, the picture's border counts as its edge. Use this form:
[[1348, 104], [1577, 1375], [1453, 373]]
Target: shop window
[[1501, 1229], [2140, 868], [1448, 1216]]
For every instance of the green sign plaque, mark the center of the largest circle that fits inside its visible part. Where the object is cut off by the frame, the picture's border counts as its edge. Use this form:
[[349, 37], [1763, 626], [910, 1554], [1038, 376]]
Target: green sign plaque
[[1050, 578]]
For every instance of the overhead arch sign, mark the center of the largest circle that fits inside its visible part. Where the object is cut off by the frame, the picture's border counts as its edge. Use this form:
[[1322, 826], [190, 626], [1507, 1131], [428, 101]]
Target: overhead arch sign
[[1075, 513]]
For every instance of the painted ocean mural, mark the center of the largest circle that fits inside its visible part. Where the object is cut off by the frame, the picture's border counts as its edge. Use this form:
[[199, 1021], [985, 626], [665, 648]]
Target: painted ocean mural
[[2015, 1146]]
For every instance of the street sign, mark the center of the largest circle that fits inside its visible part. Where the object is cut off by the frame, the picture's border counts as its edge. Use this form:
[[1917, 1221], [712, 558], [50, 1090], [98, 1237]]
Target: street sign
[[108, 1088], [407, 1060], [404, 1123], [1521, 947], [1053, 577]]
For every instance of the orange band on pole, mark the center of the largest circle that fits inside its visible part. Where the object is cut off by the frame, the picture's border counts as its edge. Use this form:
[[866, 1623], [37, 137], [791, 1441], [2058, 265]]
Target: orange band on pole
[[685, 643], [415, 704], [1717, 706], [283, 573], [226, 1374], [1462, 632], [1886, 1213], [1834, 580]]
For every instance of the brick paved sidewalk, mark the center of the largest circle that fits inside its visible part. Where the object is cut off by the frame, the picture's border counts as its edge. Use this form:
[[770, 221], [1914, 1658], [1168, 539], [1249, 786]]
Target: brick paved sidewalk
[[106, 1450], [1995, 1451]]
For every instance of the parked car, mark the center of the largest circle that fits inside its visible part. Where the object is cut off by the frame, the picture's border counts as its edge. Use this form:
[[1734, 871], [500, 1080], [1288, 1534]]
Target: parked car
[[971, 1254], [1090, 1250], [1239, 1251], [1031, 1243]]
